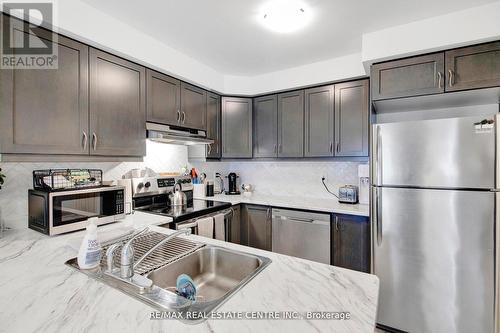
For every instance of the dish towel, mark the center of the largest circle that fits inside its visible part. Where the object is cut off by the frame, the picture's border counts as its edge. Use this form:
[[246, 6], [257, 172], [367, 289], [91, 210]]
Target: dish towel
[[206, 227], [219, 227]]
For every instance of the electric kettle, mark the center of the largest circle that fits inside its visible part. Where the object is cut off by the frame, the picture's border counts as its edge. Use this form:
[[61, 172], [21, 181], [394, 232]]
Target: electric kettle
[[177, 197]]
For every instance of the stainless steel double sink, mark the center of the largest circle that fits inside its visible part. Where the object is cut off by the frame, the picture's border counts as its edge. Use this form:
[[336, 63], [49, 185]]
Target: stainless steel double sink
[[218, 274]]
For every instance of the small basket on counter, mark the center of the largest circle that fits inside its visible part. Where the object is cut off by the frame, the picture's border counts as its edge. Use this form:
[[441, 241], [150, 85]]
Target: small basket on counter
[[66, 179]]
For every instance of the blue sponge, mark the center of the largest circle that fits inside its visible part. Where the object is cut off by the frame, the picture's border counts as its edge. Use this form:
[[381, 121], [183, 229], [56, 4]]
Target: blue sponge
[[186, 287]]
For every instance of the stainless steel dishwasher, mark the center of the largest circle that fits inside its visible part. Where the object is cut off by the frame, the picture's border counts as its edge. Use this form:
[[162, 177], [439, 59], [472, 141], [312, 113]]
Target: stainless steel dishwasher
[[301, 234]]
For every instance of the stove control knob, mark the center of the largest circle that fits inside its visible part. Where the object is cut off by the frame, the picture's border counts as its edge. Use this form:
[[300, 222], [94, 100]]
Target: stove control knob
[[147, 185], [140, 186]]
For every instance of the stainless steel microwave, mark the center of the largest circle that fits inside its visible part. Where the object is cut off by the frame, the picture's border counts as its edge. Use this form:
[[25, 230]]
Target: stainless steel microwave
[[59, 212]]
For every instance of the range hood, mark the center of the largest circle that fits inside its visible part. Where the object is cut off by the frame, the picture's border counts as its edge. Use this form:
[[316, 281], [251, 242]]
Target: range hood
[[176, 135]]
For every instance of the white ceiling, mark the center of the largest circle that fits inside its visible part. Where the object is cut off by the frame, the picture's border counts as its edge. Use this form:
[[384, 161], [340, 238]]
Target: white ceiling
[[226, 34]]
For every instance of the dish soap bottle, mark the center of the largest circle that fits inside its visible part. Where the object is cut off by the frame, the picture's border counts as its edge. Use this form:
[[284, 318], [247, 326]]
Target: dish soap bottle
[[89, 255]]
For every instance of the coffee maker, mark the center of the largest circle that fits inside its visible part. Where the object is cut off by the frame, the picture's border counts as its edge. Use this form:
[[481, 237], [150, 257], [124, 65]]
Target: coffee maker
[[233, 188]]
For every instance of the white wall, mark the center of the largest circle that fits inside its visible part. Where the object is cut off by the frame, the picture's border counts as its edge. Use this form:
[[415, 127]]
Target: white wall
[[466, 27], [83, 22], [334, 69]]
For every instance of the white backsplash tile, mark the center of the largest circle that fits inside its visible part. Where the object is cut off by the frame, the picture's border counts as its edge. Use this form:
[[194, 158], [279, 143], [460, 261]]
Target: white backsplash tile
[[14, 193], [295, 178], [287, 177]]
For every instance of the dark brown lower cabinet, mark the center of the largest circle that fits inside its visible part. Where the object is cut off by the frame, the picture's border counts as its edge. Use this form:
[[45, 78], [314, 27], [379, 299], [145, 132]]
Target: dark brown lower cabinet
[[236, 225], [351, 242], [256, 227]]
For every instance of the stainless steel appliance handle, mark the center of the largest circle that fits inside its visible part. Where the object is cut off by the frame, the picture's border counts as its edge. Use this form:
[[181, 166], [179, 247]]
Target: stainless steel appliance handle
[[378, 200], [497, 160], [300, 220], [85, 139], [187, 225], [94, 140], [440, 77], [379, 157]]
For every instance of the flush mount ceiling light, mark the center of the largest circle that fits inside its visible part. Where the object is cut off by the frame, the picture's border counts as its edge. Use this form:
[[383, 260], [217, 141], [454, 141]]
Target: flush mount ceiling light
[[284, 16]]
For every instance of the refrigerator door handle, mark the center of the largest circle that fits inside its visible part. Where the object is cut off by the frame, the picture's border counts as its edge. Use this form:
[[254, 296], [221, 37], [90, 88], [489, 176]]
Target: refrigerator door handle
[[379, 157], [378, 220], [497, 153], [497, 254]]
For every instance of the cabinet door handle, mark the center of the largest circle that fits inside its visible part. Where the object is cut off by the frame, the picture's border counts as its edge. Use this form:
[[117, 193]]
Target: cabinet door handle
[[94, 140], [440, 77], [85, 139], [450, 78], [331, 147], [183, 117], [338, 147], [209, 149], [275, 148], [178, 116], [337, 223], [280, 148]]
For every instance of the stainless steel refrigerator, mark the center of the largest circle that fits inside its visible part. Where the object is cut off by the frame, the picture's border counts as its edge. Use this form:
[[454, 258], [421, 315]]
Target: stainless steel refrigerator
[[434, 218]]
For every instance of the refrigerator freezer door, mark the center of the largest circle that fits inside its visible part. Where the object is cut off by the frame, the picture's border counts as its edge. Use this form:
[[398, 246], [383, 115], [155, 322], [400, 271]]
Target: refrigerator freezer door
[[435, 259], [442, 153]]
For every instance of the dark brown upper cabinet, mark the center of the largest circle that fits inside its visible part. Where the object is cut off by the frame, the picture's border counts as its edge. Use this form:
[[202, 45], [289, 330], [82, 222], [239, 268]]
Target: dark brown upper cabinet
[[473, 67], [265, 126], [213, 125], [236, 127], [351, 118], [193, 107], [319, 122], [163, 99], [46, 111], [291, 124], [117, 106], [415, 76]]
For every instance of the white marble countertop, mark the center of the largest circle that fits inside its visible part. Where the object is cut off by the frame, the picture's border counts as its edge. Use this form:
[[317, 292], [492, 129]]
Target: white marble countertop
[[306, 203], [40, 294]]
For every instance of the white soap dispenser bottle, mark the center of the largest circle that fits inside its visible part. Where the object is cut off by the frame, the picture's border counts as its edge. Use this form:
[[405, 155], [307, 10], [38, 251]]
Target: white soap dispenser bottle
[[89, 255]]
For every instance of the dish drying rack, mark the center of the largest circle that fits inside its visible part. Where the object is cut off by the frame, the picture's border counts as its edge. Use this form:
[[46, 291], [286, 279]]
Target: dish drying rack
[[64, 179], [169, 252]]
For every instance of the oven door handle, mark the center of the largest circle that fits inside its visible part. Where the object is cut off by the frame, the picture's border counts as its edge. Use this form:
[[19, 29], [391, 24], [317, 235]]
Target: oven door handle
[[187, 225]]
